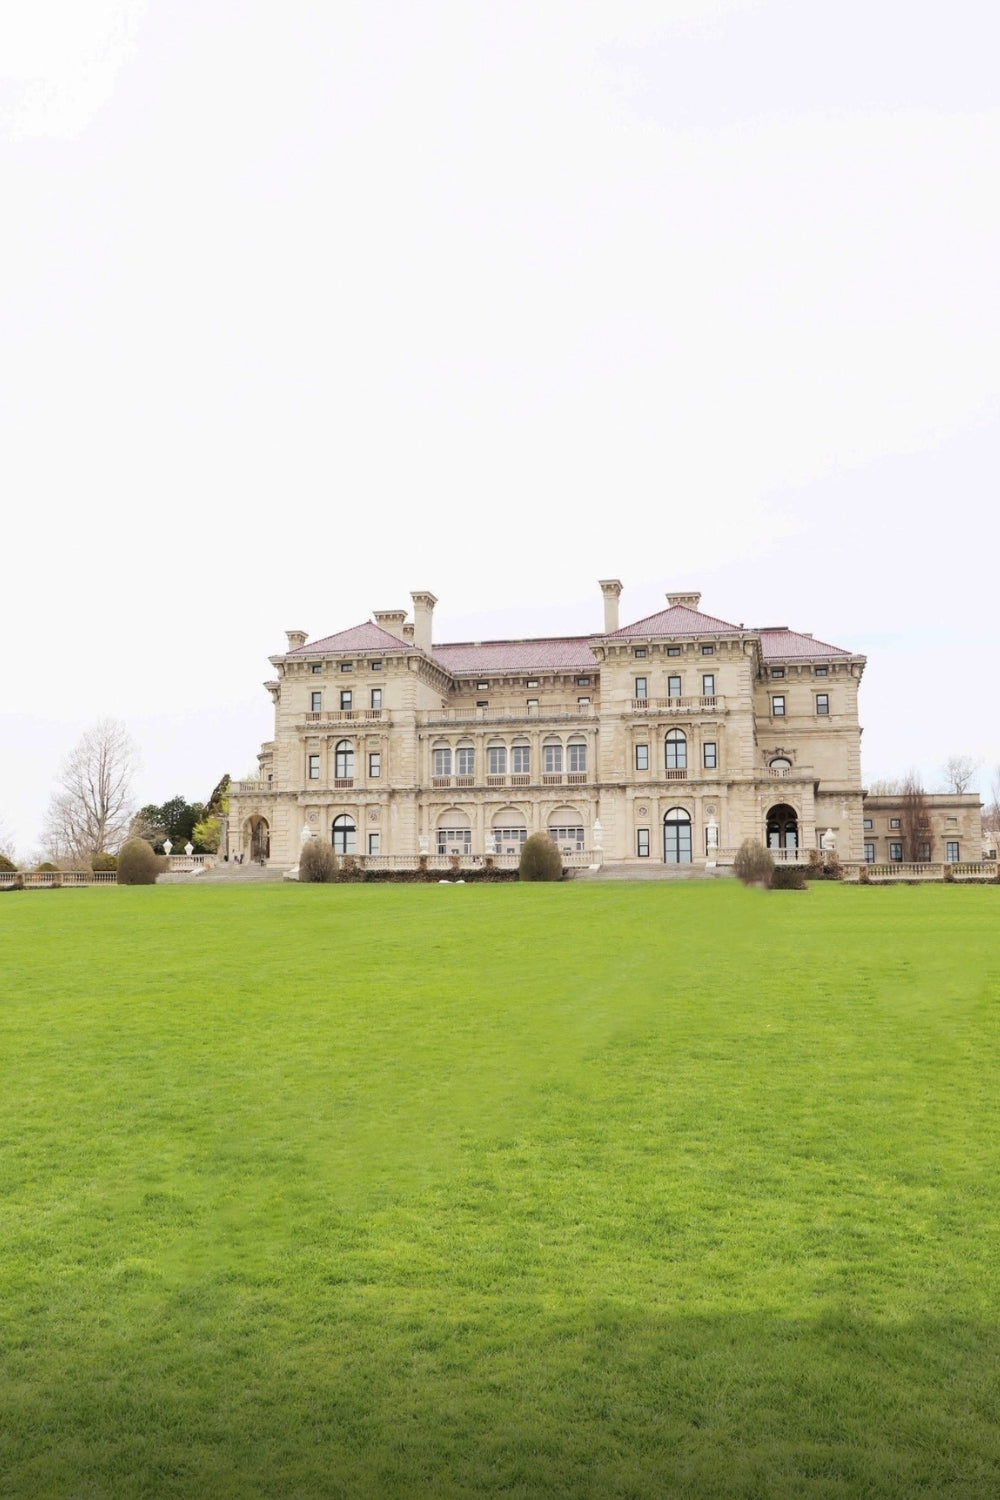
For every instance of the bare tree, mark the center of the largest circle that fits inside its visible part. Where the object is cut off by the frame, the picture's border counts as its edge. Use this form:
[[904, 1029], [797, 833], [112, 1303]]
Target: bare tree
[[885, 786], [959, 771], [92, 810], [914, 819], [6, 839], [991, 812]]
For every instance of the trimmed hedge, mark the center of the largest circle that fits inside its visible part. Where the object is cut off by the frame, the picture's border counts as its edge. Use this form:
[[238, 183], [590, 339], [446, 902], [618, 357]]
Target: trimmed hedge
[[137, 863], [540, 859]]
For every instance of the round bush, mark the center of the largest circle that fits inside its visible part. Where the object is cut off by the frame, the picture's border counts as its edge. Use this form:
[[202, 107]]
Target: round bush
[[137, 863], [7, 866], [753, 864], [104, 861], [46, 868], [317, 862], [540, 859]]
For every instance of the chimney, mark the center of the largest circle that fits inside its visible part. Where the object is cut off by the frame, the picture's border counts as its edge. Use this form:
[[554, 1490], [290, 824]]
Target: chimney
[[689, 601], [296, 638], [407, 632], [423, 615], [391, 620], [611, 588]]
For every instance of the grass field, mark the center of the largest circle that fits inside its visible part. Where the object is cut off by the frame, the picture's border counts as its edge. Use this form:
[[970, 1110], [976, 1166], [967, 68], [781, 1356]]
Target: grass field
[[578, 1190]]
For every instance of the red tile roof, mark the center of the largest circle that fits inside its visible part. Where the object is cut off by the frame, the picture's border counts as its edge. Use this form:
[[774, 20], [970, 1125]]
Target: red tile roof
[[366, 637], [778, 642], [566, 653], [677, 620]]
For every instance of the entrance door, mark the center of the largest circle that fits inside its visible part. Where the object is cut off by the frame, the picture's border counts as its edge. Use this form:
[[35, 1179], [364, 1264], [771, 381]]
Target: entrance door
[[677, 837]]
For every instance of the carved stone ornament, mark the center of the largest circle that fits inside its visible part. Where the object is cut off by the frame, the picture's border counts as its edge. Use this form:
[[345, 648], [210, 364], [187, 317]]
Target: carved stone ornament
[[313, 816], [373, 815], [644, 812]]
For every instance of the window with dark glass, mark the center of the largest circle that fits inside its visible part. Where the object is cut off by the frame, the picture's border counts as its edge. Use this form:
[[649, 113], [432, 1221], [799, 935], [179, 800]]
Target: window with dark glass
[[709, 755], [312, 767], [822, 703], [346, 698], [951, 851], [708, 684], [642, 843], [640, 687], [642, 757], [895, 851], [374, 763], [673, 687], [343, 760], [869, 854], [376, 697], [676, 750], [315, 702], [778, 706]]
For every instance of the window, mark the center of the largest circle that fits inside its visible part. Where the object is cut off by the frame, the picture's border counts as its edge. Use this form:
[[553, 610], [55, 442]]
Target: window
[[347, 666], [374, 763], [777, 671], [780, 764], [642, 843], [677, 837], [676, 750], [821, 671], [552, 760], [924, 853], [496, 760], [568, 839], [868, 824], [482, 687], [708, 650], [482, 703], [520, 760], [374, 840], [869, 854], [640, 687], [640, 651], [583, 682], [344, 835], [583, 702], [896, 852], [509, 840], [576, 757], [312, 767], [532, 703], [709, 756], [893, 822], [376, 697], [822, 703], [442, 761], [708, 684], [346, 699], [316, 668], [343, 760], [642, 757], [673, 687], [454, 840], [315, 702], [778, 706], [531, 682], [376, 666], [951, 851], [465, 761], [673, 650]]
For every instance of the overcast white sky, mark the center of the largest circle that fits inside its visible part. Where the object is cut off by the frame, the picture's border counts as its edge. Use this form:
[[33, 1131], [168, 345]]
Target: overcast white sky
[[309, 305]]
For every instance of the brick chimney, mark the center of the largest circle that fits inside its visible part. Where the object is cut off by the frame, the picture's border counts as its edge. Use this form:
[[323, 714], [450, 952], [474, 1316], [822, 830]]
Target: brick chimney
[[391, 620], [423, 616], [611, 588]]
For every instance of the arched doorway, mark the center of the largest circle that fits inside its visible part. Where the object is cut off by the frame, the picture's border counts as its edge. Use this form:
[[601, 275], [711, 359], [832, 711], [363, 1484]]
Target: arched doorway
[[260, 839], [677, 837], [782, 827], [344, 835]]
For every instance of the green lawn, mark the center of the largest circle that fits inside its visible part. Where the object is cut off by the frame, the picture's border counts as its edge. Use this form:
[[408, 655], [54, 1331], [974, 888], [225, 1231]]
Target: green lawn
[[596, 1190]]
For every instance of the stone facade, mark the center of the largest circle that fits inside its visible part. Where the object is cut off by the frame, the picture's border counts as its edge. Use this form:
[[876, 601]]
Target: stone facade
[[947, 830], [671, 739]]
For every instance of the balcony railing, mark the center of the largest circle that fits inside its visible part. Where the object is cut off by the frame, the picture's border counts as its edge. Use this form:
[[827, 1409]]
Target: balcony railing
[[343, 716], [250, 788], [713, 703], [555, 715]]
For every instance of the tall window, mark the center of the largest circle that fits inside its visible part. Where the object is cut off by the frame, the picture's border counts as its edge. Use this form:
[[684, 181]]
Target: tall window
[[677, 837], [520, 759], [642, 757], [374, 843], [442, 761], [496, 760], [676, 750], [344, 835], [312, 767], [642, 843], [674, 686], [895, 851], [951, 851], [465, 761], [778, 705], [343, 760], [315, 702], [346, 698], [708, 684], [552, 759], [822, 703], [576, 757], [640, 687], [709, 755], [376, 697], [869, 854], [374, 764]]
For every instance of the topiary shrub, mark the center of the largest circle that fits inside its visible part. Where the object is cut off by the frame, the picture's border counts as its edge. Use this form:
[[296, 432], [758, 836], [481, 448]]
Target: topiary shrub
[[7, 866], [104, 861], [540, 859], [46, 868], [317, 863], [137, 863], [753, 864], [788, 878]]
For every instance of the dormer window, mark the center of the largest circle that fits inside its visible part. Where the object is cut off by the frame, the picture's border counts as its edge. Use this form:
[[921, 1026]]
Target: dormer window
[[673, 650], [583, 682], [640, 651], [315, 668], [347, 666], [777, 671], [482, 687]]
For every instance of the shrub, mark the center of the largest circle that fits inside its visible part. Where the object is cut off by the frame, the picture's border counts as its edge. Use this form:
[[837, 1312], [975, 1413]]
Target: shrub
[[7, 866], [753, 864], [540, 859], [104, 861], [317, 863], [137, 863], [46, 868], [788, 878]]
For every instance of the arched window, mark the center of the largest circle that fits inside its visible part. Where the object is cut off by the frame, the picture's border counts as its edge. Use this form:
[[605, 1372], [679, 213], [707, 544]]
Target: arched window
[[782, 827], [454, 832], [677, 837], [676, 750], [552, 757], [576, 755], [344, 835], [566, 829], [780, 765], [441, 760], [509, 831], [343, 759]]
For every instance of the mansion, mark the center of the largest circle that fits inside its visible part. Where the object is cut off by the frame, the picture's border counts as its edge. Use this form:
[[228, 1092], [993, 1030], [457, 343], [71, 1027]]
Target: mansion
[[671, 739]]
